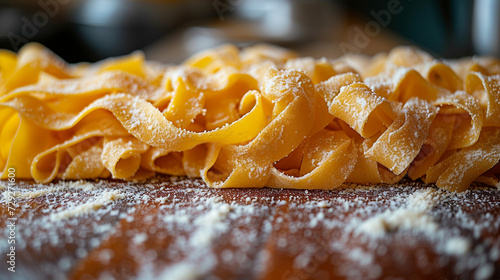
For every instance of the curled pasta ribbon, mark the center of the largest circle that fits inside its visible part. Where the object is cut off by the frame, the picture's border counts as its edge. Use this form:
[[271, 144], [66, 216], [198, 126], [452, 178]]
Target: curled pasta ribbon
[[32, 60], [407, 57], [263, 52], [164, 161], [434, 147], [21, 149], [65, 159], [216, 97], [329, 157], [401, 142], [93, 167], [88, 87], [318, 70], [410, 84], [293, 95], [254, 117], [47, 164], [8, 61], [456, 172], [464, 66], [330, 88], [363, 110], [132, 64], [144, 121], [486, 89], [185, 105], [442, 76], [214, 60], [368, 171], [189, 162], [468, 121], [123, 155]]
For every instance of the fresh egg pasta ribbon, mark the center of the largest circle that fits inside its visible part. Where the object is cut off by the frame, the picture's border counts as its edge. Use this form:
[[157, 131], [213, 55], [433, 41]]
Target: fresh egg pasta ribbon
[[253, 117]]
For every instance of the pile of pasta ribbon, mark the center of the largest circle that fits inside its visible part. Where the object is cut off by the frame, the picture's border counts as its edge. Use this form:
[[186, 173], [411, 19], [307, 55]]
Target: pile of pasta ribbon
[[253, 117]]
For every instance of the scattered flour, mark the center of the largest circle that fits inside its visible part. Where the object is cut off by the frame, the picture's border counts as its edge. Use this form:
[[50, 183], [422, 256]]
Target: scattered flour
[[359, 225]]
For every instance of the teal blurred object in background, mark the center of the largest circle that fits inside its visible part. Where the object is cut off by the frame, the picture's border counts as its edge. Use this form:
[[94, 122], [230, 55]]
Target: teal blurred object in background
[[440, 26]]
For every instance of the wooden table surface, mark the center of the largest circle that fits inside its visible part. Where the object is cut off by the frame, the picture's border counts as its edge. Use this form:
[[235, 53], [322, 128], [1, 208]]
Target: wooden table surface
[[177, 228]]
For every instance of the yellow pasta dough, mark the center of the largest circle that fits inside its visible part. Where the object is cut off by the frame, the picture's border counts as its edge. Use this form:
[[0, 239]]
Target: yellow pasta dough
[[253, 117]]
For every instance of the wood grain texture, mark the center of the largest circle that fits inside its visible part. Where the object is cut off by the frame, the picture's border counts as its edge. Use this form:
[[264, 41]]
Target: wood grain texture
[[177, 228]]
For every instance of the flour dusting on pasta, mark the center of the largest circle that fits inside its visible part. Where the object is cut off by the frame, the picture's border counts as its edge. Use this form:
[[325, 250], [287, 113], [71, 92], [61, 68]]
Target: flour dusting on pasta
[[255, 117]]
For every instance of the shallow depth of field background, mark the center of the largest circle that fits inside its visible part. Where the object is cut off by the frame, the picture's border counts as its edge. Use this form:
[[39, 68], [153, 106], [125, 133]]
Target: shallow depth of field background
[[171, 30]]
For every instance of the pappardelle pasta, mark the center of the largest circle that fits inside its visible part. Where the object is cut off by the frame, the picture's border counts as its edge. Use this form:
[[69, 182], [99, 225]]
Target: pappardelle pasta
[[253, 117]]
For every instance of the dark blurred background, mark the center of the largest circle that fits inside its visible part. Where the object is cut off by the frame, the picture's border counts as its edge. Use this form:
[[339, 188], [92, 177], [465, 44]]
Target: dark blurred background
[[171, 30]]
